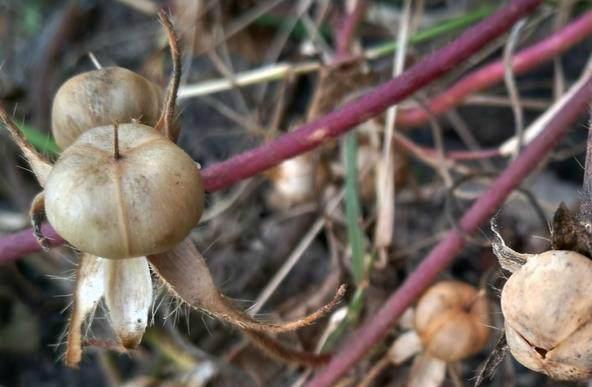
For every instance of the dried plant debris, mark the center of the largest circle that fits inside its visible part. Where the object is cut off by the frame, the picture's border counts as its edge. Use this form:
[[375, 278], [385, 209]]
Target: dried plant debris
[[568, 233]]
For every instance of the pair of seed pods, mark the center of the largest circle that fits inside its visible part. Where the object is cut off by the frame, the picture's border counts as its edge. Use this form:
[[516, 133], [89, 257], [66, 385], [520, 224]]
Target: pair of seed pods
[[120, 189]]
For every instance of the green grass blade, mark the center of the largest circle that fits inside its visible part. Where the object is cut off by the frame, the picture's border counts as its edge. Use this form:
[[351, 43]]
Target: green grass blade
[[352, 208], [42, 142]]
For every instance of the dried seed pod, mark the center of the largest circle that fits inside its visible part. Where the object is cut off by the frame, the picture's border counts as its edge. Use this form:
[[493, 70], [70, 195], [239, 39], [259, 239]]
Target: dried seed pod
[[547, 308], [101, 97], [133, 197], [297, 180], [452, 321]]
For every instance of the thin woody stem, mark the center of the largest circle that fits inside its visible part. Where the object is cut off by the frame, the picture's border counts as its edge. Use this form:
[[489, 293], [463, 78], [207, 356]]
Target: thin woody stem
[[168, 114], [492, 73]]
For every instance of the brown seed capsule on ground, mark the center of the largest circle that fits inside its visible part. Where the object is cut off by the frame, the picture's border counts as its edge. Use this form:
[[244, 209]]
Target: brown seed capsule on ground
[[452, 321], [142, 198], [102, 97], [547, 305]]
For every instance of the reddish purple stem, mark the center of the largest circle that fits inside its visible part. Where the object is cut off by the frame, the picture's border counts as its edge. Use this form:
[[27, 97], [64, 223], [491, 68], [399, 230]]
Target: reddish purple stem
[[371, 104], [23, 242], [493, 73], [346, 29], [334, 124], [361, 341]]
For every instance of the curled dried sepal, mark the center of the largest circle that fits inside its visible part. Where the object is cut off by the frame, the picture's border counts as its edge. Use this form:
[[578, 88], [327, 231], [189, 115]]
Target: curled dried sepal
[[427, 371], [128, 295], [509, 259], [39, 164], [185, 272], [406, 346], [90, 288]]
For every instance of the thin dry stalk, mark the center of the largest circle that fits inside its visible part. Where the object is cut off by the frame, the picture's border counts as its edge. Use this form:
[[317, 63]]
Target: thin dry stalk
[[385, 168], [510, 82], [167, 117]]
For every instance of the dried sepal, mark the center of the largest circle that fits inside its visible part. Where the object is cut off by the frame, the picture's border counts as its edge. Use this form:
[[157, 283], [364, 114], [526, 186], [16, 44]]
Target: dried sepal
[[185, 272], [40, 165], [166, 122], [509, 259], [90, 288], [427, 371], [405, 346], [128, 295]]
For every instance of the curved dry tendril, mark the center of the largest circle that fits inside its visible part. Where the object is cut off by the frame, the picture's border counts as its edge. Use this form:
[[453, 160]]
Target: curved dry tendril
[[167, 117]]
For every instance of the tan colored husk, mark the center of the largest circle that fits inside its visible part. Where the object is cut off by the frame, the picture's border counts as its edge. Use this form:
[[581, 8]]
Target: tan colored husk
[[144, 202], [90, 288], [296, 181], [452, 320], [128, 295], [547, 314], [102, 97], [39, 164]]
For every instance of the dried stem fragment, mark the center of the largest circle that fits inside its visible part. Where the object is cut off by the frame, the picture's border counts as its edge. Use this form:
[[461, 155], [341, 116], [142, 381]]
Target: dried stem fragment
[[166, 121]]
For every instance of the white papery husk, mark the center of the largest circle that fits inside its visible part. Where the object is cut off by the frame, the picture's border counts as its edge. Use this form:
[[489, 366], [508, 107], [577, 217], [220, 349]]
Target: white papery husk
[[128, 295], [427, 371], [90, 288], [406, 346]]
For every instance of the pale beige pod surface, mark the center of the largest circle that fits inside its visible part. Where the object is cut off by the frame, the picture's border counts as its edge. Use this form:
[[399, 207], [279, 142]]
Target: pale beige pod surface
[[452, 320], [102, 97], [547, 306], [143, 203]]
